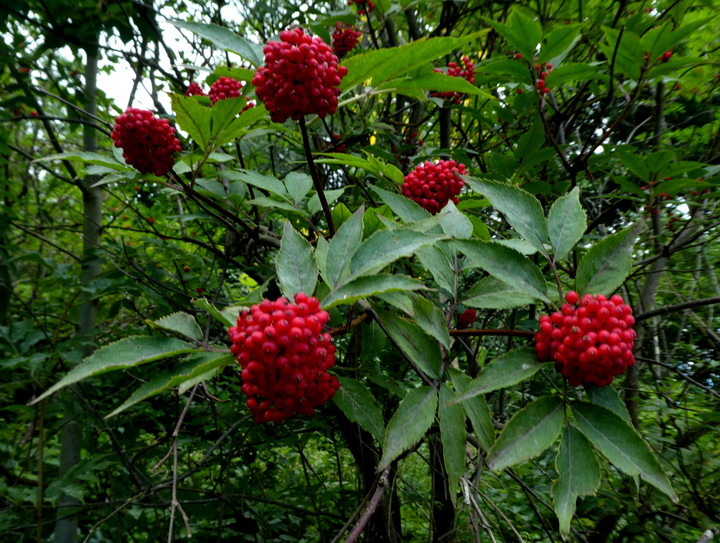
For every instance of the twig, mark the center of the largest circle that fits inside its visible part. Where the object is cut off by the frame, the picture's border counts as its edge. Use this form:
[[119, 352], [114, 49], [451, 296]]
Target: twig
[[677, 307], [371, 508], [316, 177]]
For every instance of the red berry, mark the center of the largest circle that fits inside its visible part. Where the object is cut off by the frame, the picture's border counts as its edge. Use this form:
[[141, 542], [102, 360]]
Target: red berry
[[224, 88], [193, 89], [466, 318], [148, 143], [518, 56], [284, 367], [433, 185], [300, 77], [467, 72], [588, 343], [344, 39], [186, 269]]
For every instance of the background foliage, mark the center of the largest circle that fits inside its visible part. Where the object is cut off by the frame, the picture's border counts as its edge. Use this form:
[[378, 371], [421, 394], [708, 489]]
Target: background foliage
[[607, 183]]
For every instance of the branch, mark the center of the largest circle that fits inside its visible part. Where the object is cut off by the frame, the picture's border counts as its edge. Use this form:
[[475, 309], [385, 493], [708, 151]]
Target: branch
[[371, 508], [677, 307]]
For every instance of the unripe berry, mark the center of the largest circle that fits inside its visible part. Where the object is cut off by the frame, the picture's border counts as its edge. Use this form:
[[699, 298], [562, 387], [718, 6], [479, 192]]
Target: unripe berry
[[588, 343], [284, 367], [300, 77], [433, 185], [148, 143]]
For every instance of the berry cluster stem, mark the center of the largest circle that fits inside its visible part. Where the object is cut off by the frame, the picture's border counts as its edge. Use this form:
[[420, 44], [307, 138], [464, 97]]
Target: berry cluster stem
[[316, 177]]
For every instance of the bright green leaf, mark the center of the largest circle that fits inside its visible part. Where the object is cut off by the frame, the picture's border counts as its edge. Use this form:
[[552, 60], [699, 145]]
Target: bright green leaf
[[385, 247], [343, 246], [372, 285], [606, 264], [182, 323], [226, 39]]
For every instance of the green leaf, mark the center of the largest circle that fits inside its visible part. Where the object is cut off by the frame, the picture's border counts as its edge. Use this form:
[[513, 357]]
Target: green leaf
[[331, 196], [522, 33], [453, 437], [359, 405], [182, 323], [506, 370], [505, 264], [343, 246], [476, 409], [226, 39], [571, 72], [295, 266], [521, 209], [608, 397], [429, 317], [621, 444], [265, 182], [203, 304], [126, 353], [402, 206], [192, 117], [385, 247], [607, 264], [559, 42], [376, 67], [491, 293], [566, 224], [88, 157], [578, 475], [436, 261], [372, 285], [530, 432], [194, 366], [408, 425], [416, 344], [454, 222], [298, 184]]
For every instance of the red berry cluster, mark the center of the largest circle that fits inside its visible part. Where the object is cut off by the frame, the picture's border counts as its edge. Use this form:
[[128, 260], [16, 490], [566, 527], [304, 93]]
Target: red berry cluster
[[467, 72], [224, 88], [344, 39], [542, 71], [148, 143], [285, 358], [432, 185], [590, 341], [193, 89], [466, 318], [364, 6], [300, 77]]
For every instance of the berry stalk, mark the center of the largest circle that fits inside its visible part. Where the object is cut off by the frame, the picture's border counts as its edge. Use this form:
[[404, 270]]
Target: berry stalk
[[316, 177]]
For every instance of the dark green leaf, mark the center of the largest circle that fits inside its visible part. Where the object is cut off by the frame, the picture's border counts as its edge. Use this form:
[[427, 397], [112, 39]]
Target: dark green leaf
[[359, 405], [402, 206], [343, 246], [571, 72], [476, 409], [606, 264], [608, 397], [416, 344], [225, 39], [386, 246], [295, 266], [506, 370], [194, 366], [453, 437], [203, 304], [126, 353], [559, 42], [193, 118], [436, 261], [621, 444], [578, 475], [491, 293], [566, 224], [530, 432], [505, 264], [372, 285], [521, 209], [182, 323], [408, 425], [429, 317]]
